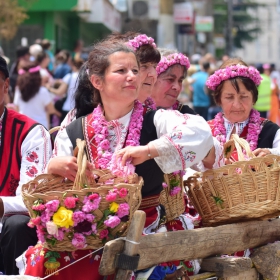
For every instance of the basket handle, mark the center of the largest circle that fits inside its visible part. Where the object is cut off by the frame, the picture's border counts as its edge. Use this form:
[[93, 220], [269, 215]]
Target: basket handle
[[241, 144], [81, 179], [54, 129]]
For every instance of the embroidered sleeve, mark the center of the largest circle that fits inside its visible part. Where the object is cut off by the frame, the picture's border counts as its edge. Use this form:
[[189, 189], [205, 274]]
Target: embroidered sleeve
[[219, 159], [36, 151], [62, 144], [276, 144], [183, 140]]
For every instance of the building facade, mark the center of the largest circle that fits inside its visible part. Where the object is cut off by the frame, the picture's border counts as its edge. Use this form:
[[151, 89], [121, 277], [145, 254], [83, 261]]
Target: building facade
[[266, 47], [64, 22]]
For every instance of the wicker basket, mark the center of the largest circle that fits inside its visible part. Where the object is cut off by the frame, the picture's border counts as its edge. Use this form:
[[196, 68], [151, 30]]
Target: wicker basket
[[47, 187], [244, 190], [174, 205]]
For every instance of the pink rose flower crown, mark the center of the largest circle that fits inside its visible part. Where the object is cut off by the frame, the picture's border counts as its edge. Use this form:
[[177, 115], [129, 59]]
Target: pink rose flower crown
[[174, 58], [233, 71], [141, 40]]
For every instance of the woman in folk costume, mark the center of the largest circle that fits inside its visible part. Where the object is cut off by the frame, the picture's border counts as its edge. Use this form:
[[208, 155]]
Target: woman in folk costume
[[171, 71], [235, 90], [156, 142], [148, 57]]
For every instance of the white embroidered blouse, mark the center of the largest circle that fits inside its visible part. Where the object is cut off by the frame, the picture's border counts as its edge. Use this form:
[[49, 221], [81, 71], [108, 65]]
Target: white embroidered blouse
[[183, 140], [36, 150]]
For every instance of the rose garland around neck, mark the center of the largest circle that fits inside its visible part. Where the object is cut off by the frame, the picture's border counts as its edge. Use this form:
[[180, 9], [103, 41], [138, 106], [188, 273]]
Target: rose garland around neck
[[150, 103], [175, 105], [253, 129], [100, 126]]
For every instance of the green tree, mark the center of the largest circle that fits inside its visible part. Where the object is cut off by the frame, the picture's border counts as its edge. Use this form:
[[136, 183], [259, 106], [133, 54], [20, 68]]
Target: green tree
[[245, 26], [11, 16]]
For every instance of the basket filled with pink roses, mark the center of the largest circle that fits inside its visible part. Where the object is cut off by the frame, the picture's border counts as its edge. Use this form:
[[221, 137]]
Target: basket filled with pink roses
[[84, 214]]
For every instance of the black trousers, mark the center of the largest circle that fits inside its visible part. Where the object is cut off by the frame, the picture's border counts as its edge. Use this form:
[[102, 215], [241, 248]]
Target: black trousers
[[15, 238]]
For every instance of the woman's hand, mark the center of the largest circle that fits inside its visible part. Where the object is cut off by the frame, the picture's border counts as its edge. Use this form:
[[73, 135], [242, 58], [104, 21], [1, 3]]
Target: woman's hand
[[138, 154], [261, 152], [67, 167], [209, 159]]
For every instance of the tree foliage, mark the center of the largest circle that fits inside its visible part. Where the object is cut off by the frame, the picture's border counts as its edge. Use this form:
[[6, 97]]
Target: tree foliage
[[11, 16], [245, 26]]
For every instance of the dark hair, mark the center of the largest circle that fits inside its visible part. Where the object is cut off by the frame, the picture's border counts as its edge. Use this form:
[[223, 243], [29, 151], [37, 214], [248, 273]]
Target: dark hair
[[22, 51], [29, 83], [4, 67], [144, 54], [85, 100], [206, 65], [78, 62], [45, 44], [248, 83], [63, 56], [40, 57]]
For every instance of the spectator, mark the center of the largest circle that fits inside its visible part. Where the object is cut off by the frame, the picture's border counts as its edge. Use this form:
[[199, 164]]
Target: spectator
[[63, 67], [25, 150], [23, 56], [263, 104], [67, 89], [31, 98], [201, 101], [34, 50], [43, 60], [46, 45]]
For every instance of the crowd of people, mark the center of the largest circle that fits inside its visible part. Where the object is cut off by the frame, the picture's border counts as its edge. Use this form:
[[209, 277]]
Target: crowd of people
[[124, 101]]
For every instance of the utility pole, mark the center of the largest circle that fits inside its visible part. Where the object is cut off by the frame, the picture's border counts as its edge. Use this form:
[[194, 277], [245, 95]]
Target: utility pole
[[229, 28], [166, 28]]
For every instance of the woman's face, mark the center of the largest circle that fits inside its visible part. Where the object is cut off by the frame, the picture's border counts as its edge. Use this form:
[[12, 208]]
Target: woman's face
[[236, 106], [121, 80], [148, 77], [168, 86]]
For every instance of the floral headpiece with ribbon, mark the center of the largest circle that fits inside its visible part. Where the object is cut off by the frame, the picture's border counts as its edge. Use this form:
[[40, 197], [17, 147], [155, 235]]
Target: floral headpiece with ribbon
[[174, 58], [141, 40], [233, 71], [31, 70]]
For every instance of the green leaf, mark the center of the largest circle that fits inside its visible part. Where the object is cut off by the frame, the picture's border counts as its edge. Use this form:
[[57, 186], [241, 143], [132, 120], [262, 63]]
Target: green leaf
[[218, 201]]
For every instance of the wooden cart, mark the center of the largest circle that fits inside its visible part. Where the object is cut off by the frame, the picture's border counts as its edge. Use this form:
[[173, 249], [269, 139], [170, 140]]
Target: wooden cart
[[202, 243]]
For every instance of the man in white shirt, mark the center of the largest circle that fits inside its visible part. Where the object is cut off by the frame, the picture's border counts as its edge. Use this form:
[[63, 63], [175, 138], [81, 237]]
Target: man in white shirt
[[25, 149]]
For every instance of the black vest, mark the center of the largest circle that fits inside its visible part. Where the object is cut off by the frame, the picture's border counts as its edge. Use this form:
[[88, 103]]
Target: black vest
[[149, 170], [267, 134]]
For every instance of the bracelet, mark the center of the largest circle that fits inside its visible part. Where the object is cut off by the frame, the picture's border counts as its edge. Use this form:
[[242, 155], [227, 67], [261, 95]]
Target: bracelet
[[149, 153]]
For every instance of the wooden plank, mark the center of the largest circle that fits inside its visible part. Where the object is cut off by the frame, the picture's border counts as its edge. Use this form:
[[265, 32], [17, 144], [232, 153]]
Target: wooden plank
[[267, 260], [202, 276], [251, 274], [131, 247], [195, 244], [227, 266]]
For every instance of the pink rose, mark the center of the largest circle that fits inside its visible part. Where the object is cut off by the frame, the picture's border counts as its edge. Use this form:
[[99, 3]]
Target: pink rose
[[103, 233], [112, 222], [123, 192], [70, 202]]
